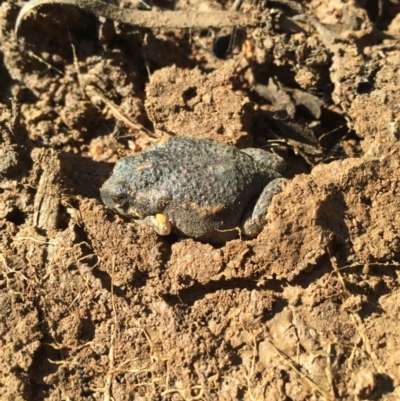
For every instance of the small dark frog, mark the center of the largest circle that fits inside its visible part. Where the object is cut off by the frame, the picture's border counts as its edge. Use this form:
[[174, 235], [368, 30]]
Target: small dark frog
[[195, 188]]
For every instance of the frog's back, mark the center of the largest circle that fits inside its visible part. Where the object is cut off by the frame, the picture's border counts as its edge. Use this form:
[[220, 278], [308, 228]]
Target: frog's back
[[200, 172]]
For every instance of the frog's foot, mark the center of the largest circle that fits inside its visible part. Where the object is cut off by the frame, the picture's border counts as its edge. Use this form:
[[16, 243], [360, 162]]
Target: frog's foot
[[159, 223], [254, 217]]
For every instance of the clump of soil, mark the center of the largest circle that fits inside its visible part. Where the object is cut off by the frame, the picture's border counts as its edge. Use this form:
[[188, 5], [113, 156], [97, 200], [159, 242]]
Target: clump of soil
[[95, 307]]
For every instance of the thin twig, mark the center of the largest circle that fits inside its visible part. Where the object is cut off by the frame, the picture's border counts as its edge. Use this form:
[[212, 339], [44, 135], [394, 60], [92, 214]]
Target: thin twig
[[150, 19]]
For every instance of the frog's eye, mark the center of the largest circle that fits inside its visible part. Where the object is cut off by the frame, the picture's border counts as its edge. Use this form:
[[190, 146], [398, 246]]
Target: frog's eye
[[120, 200]]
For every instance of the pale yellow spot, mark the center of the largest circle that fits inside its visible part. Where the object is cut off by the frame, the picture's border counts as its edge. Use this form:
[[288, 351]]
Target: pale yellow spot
[[160, 224]]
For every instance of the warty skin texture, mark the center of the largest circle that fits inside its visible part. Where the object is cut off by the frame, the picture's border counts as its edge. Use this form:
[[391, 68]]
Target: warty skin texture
[[205, 190]]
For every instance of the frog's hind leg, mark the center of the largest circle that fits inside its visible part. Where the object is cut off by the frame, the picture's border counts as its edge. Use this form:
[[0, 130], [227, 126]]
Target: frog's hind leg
[[254, 216]]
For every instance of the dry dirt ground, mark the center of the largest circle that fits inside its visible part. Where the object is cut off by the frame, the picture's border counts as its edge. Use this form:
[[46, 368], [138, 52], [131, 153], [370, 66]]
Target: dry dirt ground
[[94, 307]]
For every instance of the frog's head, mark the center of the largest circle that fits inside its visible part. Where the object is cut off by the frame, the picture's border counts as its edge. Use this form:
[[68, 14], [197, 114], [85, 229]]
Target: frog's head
[[136, 204], [132, 191], [117, 196]]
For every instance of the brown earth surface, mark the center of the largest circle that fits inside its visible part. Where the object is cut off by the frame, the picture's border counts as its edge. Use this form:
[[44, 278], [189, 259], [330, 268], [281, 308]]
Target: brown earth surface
[[94, 307]]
